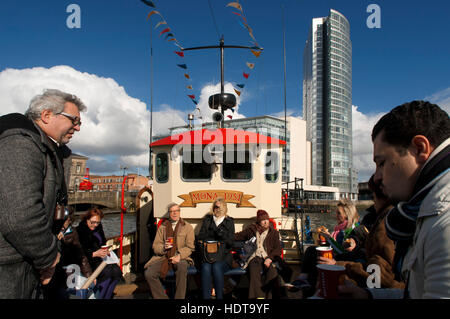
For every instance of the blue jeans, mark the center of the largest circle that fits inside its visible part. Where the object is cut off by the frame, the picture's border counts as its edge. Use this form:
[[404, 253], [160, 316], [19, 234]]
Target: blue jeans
[[214, 272]]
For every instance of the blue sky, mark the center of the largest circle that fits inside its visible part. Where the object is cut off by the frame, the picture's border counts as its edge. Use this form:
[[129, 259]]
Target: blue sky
[[406, 59]]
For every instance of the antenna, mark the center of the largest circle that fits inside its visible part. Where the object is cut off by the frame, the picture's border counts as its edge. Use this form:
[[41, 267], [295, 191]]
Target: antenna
[[222, 101]]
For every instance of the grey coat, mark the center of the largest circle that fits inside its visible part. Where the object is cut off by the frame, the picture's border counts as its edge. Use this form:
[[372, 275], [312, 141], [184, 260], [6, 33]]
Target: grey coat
[[30, 177]]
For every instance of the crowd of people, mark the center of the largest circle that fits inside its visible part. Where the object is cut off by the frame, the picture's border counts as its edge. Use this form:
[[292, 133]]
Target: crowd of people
[[406, 232]]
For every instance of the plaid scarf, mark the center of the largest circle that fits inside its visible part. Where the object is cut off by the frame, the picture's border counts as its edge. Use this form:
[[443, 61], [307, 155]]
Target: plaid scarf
[[170, 232]]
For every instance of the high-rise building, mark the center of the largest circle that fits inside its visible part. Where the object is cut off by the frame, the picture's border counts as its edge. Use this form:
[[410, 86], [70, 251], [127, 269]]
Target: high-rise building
[[327, 102]]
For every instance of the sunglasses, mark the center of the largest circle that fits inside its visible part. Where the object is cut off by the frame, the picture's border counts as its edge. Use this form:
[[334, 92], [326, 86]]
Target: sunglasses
[[75, 119], [216, 207], [93, 223]]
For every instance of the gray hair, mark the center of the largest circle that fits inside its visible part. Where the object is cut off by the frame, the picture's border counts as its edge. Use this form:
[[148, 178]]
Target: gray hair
[[171, 205], [52, 100]]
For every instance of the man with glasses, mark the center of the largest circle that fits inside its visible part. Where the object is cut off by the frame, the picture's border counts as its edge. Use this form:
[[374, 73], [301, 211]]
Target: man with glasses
[[173, 246], [32, 187]]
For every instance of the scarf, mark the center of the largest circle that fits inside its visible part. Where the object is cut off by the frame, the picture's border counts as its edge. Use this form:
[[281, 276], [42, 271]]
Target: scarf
[[218, 220], [339, 227], [170, 232], [401, 220]]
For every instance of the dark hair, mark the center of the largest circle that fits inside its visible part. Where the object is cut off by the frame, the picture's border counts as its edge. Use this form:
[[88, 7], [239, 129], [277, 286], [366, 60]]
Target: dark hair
[[375, 188], [405, 121], [91, 212]]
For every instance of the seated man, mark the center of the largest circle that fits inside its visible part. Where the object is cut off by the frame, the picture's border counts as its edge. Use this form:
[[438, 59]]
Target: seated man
[[173, 246]]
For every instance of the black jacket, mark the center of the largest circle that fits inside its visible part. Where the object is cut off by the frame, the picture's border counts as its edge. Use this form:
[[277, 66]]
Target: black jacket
[[90, 242], [224, 233]]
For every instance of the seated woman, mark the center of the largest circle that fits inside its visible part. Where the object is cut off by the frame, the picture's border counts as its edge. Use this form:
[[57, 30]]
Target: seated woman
[[347, 221], [268, 250], [216, 226], [92, 238], [71, 253]]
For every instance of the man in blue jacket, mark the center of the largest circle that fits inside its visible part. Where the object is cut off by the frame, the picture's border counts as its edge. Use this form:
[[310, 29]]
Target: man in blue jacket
[[32, 148]]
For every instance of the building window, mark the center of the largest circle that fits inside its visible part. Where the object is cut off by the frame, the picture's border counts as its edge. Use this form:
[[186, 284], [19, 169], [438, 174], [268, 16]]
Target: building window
[[162, 167], [78, 169], [272, 167]]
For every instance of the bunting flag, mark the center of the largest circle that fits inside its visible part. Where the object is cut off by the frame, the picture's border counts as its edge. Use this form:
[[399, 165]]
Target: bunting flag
[[170, 37], [230, 117], [256, 53], [159, 23], [237, 92], [238, 14], [250, 65], [246, 75], [164, 31], [152, 13], [149, 3], [240, 85], [236, 5]]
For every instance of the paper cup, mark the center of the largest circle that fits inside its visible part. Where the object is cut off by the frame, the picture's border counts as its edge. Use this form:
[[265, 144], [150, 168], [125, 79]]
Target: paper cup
[[170, 241], [329, 277], [105, 247], [325, 251]]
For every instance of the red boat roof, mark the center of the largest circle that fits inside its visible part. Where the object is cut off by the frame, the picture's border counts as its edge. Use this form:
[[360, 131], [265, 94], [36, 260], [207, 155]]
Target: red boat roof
[[217, 136]]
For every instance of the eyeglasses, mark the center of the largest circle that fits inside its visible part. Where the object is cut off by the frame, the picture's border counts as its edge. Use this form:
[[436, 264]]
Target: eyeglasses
[[174, 211], [216, 207], [75, 119], [93, 223]]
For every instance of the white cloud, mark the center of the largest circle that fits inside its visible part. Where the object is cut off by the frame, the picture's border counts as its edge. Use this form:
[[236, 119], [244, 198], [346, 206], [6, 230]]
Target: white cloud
[[115, 129], [441, 98], [362, 142]]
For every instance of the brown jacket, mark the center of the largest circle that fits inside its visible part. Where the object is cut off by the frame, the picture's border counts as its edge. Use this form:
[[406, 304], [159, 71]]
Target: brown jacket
[[185, 243], [272, 243], [380, 250]]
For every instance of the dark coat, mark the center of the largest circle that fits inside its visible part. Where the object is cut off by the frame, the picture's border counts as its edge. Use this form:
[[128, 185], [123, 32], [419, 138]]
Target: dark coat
[[31, 176], [224, 233], [272, 243], [90, 242]]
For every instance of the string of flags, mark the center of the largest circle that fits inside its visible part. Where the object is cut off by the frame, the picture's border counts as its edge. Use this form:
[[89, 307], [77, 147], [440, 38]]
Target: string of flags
[[170, 37], [242, 20]]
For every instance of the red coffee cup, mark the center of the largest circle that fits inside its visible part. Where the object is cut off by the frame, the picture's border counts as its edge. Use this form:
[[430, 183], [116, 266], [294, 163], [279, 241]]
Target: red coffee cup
[[329, 277], [325, 251], [105, 247], [170, 241]]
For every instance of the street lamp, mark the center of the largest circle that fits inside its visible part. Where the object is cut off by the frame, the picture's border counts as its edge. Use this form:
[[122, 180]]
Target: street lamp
[[124, 169]]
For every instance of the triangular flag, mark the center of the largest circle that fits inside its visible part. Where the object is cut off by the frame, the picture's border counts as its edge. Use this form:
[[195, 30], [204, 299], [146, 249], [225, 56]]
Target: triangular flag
[[250, 65], [237, 92], [236, 5], [192, 96], [186, 76], [189, 87], [149, 3], [246, 75], [151, 13], [164, 31], [240, 85], [229, 116], [195, 102], [240, 16], [256, 53], [183, 66], [181, 54], [169, 35], [176, 43], [159, 23], [232, 110]]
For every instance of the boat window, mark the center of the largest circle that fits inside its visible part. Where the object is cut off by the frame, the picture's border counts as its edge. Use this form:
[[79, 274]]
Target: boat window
[[237, 166], [162, 167], [194, 168], [272, 166]]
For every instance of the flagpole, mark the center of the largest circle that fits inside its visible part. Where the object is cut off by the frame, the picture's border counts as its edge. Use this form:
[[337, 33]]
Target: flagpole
[[284, 64], [151, 103]]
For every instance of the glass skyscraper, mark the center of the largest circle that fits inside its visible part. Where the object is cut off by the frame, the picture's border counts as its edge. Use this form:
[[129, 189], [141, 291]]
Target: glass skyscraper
[[327, 102]]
